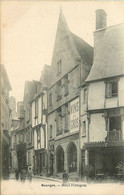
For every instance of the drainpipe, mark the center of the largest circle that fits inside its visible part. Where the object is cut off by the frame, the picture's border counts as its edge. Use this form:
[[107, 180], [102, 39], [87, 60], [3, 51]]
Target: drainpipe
[[80, 159], [47, 137]]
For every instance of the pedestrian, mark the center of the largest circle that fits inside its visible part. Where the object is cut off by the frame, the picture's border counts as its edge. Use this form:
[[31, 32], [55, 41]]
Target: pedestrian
[[9, 172], [65, 177], [16, 174], [29, 173], [23, 175]]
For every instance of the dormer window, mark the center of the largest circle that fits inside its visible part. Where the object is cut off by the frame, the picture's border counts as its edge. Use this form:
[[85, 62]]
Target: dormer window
[[112, 88], [59, 66]]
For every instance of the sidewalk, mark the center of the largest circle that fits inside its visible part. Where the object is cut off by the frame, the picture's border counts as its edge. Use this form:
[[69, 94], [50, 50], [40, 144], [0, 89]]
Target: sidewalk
[[12, 176], [47, 178]]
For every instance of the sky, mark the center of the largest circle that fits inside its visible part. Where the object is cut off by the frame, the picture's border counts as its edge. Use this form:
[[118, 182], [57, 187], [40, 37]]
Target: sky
[[29, 30]]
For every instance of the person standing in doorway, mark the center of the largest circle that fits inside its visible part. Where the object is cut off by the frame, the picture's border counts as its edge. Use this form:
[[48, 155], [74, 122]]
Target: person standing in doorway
[[16, 174]]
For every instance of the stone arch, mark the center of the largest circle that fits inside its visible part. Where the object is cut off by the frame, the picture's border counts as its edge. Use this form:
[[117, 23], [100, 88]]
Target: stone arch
[[72, 157], [59, 159]]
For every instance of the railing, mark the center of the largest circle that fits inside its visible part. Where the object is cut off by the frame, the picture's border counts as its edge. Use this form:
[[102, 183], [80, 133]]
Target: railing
[[114, 135]]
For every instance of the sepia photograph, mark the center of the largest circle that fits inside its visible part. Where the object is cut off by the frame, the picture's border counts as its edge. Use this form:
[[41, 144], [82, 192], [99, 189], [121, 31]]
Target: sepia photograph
[[62, 97]]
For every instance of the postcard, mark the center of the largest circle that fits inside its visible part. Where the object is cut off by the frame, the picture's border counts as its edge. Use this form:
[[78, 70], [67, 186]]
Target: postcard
[[62, 97]]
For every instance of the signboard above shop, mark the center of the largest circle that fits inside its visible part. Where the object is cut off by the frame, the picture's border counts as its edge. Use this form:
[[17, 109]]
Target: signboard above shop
[[74, 115]]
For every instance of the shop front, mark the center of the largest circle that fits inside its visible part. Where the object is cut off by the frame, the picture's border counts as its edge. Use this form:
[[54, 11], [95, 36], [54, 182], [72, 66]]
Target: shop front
[[105, 158], [21, 156], [40, 165]]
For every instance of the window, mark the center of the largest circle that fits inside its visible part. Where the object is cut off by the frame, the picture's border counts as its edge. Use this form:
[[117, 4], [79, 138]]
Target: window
[[38, 138], [21, 137], [115, 123], [65, 85], [17, 138], [50, 99], [28, 115], [59, 90], [114, 133], [111, 89], [84, 129], [85, 95], [59, 122], [66, 118], [51, 129], [59, 66], [29, 137], [36, 108]]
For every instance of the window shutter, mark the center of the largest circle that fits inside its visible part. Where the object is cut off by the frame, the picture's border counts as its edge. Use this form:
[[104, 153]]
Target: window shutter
[[109, 90]]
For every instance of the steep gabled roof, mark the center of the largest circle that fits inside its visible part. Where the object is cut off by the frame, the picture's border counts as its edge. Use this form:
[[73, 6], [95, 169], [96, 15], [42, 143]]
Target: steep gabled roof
[[45, 77], [30, 90], [5, 76], [85, 50], [62, 27], [71, 47], [109, 59]]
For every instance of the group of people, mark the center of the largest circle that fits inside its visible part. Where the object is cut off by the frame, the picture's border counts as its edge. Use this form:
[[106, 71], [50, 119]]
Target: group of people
[[27, 174], [24, 174]]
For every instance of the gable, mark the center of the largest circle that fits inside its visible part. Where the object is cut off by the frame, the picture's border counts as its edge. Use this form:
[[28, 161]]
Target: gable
[[64, 50], [29, 92]]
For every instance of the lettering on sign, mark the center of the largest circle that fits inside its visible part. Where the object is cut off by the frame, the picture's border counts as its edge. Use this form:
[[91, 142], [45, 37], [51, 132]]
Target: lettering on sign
[[74, 115]]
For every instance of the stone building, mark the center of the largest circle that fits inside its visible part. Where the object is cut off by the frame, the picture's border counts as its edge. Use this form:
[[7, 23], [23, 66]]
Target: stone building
[[14, 128], [5, 121], [29, 92], [103, 144], [71, 63], [19, 104], [18, 141], [39, 122], [12, 102]]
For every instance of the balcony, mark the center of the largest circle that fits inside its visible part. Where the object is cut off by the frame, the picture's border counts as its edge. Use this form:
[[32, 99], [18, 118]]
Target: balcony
[[114, 135]]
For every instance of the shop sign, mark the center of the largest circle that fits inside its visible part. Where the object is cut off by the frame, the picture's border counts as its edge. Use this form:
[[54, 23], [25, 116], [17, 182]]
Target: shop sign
[[74, 115]]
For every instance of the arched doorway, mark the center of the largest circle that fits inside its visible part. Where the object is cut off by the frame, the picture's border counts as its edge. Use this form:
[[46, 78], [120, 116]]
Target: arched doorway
[[60, 159], [72, 158]]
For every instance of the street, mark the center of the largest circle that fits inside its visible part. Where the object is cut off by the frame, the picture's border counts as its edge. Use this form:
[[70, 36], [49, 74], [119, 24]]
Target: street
[[42, 186]]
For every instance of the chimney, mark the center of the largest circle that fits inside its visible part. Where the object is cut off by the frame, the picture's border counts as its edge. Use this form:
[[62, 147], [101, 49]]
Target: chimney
[[101, 19]]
